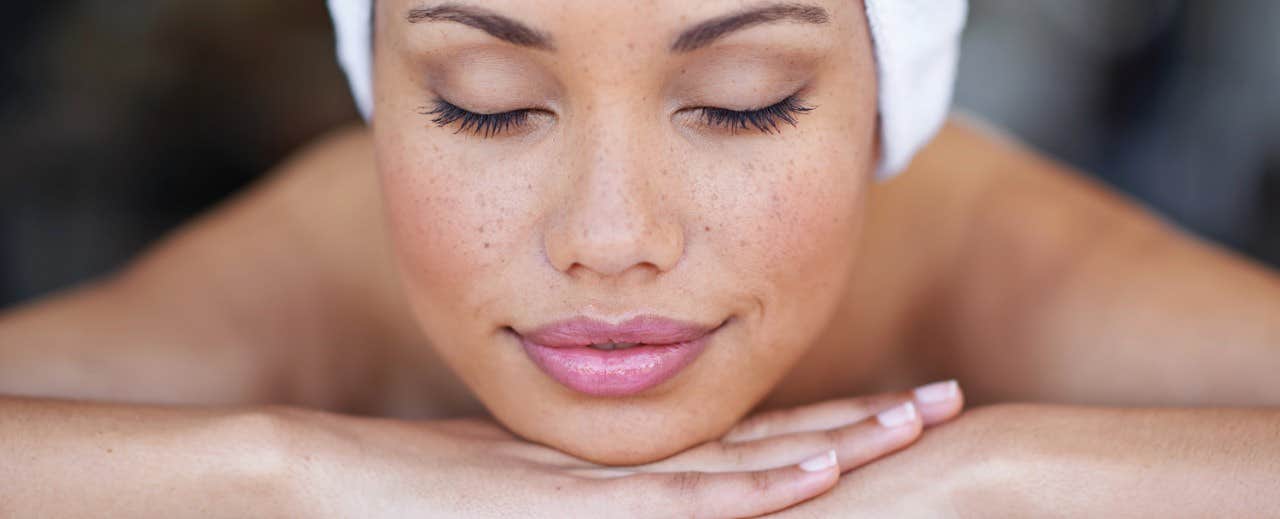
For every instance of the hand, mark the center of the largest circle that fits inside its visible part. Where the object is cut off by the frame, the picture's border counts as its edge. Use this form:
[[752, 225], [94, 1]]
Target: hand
[[365, 467], [341, 466], [950, 472], [859, 430]]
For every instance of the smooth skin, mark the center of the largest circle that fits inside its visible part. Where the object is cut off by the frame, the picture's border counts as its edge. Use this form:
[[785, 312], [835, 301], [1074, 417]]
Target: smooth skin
[[616, 197], [169, 461], [983, 261], [1026, 458]]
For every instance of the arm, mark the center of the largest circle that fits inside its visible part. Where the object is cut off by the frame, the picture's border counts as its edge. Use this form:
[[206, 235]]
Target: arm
[[1056, 461], [65, 459], [1063, 291], [285, 294], [1047, 287], [1075, 461]]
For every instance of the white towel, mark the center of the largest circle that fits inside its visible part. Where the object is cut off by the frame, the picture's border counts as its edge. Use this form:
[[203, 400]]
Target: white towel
[[917, 44], [353, 23]]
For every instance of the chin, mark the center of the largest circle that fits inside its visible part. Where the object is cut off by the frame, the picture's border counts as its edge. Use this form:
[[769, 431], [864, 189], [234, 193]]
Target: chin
[[635, 451], [628, 436]]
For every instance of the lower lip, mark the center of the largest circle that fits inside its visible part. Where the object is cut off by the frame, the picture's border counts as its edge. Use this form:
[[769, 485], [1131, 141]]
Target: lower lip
[[618, 372]]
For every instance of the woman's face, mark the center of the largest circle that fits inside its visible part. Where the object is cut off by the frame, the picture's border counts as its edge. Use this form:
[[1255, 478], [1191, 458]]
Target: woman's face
[[564, 173]]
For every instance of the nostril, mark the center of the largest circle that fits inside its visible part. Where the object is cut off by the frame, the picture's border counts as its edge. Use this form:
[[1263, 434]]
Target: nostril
[[606, 269], [610, 228]]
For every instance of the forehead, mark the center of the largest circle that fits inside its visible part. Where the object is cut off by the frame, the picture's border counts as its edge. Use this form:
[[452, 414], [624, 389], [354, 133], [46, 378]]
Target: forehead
[[591, 23]]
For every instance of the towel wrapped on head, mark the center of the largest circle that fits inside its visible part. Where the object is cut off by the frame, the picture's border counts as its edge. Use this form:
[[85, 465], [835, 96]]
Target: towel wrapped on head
[[917, 44]]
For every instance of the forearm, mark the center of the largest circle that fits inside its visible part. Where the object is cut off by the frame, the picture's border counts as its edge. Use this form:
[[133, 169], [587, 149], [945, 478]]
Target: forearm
[[110, 341], [67, 459], [1095, 462]]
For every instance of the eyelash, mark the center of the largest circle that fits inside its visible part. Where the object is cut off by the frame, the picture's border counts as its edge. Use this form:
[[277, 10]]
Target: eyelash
[[482, 125], [765, 120]]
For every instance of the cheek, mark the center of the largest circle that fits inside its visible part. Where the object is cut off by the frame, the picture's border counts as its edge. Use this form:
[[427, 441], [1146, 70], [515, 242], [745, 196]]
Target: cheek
[[451, 220], [790, 238], [810, 222], [793, 224]]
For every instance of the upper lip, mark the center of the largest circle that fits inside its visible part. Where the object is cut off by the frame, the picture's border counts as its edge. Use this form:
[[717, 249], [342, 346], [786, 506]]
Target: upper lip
[[643, 329]]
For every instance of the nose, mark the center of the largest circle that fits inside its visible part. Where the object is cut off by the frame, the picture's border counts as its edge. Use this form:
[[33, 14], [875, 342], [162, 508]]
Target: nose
[[614, 218]]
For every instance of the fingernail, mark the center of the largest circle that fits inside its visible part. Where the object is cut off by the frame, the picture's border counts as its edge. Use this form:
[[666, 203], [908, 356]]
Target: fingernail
[[897, 416], [938, 392], [820, 462]]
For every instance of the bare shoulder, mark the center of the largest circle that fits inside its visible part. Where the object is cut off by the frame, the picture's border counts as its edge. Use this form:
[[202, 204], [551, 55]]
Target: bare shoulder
[[285, 294], [1047, 285], [331, 214], [249, 303], [343, 153], [310, 226], [330, 194]]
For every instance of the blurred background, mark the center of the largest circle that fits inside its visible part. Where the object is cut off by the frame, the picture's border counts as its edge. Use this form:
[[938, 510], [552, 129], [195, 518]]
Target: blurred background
[[120, 120]]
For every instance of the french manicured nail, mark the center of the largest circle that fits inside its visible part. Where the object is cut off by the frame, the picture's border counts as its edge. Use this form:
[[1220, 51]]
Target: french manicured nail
[[897, 416], [938, 392], [819, 462]]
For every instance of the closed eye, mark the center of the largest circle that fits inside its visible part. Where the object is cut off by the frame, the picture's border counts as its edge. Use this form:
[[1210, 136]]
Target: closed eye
[[482, 125], [765, 120]]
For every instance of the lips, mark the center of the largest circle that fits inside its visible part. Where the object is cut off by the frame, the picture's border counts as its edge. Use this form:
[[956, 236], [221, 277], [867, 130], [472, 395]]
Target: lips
[[652, 350]]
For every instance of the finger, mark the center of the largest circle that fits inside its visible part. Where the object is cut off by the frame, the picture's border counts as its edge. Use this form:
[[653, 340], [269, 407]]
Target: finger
[[937, 403], [855, 445], [723, 494]]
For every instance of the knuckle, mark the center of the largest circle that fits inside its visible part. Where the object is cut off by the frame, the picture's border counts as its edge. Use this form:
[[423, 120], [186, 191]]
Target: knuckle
[[734, 455], [760, 481], [833, 438], [686, 484]]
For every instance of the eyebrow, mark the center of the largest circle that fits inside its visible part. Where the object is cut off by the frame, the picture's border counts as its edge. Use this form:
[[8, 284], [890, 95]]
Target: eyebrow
[[705, 33], [498, 26], [694, 38]]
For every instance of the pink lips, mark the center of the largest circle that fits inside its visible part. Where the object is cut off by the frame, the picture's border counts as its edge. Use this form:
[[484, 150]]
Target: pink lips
[[665, 347]]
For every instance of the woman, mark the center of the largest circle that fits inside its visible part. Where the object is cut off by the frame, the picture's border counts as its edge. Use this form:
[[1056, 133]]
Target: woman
[[624, 226]]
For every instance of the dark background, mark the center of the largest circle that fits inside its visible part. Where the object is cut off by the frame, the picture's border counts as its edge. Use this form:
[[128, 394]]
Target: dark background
[[120, 120]]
